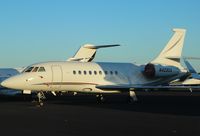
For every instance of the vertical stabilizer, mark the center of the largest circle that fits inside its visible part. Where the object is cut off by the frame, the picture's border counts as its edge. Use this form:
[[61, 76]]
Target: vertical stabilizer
[[171, 54], [189, 67]]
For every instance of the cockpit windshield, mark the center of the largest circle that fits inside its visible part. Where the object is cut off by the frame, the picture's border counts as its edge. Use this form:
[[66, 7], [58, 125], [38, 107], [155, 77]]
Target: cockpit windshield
[[28, 69], [34, 69]]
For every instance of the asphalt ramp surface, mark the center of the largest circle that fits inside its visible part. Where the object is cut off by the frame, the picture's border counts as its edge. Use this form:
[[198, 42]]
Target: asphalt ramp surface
[[152, 115]]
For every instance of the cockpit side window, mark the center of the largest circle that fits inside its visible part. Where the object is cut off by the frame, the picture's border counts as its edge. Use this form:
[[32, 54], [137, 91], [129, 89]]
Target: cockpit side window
[[35, 69], [25, 69], [28, 69], [41, 69]]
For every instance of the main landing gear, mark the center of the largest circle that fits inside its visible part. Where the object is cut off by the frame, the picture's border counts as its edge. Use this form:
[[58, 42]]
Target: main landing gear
[[100, 98], [132, 97]]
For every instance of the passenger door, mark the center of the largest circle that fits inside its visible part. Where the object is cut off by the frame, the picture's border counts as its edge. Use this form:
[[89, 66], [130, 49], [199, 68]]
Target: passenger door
[[56, 76]]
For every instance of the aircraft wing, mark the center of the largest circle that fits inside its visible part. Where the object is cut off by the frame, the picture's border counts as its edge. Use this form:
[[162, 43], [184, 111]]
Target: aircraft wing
[[87, 52], [143, 87]]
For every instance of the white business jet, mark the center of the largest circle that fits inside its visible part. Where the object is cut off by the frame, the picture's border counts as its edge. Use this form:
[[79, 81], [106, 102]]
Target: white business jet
[[80, 74]]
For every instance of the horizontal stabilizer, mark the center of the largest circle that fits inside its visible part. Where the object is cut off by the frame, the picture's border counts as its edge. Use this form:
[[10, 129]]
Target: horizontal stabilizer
[[90, 46], [191, 58], [87, 52]]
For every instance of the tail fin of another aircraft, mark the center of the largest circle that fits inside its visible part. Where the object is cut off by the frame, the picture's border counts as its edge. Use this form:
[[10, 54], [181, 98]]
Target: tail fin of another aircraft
[[171, 54], [189, 67], [193, 72]]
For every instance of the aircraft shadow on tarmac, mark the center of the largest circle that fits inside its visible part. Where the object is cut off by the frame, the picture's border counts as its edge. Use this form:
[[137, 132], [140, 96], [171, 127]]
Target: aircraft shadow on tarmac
[[172, 105], [157, 104]]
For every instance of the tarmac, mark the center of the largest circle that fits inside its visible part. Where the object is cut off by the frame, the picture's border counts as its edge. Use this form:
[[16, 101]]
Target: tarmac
[[165, 114]]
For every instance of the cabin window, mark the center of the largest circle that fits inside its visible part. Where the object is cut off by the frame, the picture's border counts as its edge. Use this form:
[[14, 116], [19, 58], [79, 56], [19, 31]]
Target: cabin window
[[106, 72], [79, 72], [74, 72], [41, 69], [85, 73], [90, 72], [95, 72], [116, 73], [100, 72], [29, 69], [111, 72]]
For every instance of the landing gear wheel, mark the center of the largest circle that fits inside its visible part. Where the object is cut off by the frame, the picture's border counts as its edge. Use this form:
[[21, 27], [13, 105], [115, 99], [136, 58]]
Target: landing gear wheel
[[41, 104], [100, 98]]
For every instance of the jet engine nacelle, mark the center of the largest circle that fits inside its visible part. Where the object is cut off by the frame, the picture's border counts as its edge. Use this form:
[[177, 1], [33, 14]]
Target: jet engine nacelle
[[157, 70]]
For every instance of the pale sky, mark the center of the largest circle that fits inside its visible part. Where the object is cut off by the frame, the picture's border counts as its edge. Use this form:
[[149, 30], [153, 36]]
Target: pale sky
[[34, 31]]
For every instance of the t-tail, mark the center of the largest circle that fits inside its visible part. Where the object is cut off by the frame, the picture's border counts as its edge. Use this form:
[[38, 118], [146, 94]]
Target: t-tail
[[171, 54]]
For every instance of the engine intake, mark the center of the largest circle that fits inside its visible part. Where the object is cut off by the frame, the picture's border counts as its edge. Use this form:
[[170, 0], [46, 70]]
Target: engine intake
[[157, 70]]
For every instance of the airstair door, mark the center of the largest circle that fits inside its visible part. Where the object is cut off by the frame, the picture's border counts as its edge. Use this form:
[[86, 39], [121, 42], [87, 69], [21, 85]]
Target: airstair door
[[56, 76]]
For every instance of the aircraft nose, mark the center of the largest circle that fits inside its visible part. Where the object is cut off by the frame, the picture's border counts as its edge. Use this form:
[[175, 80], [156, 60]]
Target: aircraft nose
[[7, 83], [11, 83]]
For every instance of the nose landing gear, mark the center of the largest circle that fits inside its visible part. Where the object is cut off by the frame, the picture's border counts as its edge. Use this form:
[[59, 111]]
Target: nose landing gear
[[40, 96]]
